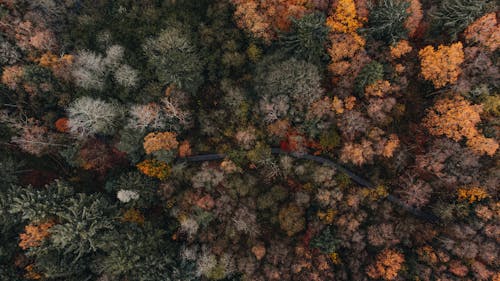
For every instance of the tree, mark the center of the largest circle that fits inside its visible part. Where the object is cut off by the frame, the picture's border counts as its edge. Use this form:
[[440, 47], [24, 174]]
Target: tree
[[43, 40], [12, 76], [34, 139], [97, 156], [387, 21], [472, 194], [357, 153], [326, 241], [371, 73], [291, 218], [347, 47], [262, 17], [400, 49], [8, 52], [415, 15], [453, 117], [92, 71], [387, 265], [82, 224], [415, 192], [485, 31], [175, 59], [138, 189], [142, 255], [344, 18], [88, 117], [451, 163], [296, 80], [453, 16], [307, 38], [30, 135], [160, 141], [126, 76], [456, 118], [89, 70], [154, 168], [441, 66], [62, 125]]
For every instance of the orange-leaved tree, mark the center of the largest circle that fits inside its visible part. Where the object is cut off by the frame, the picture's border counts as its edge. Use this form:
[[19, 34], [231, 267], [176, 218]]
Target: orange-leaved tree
[[263, 17], [34, 234], [400, 49], [415, 15], [344, 18], [456, 119], [160, 141], [154, 168], [346, 50], [441, 66], [388, 264], [485, 31]]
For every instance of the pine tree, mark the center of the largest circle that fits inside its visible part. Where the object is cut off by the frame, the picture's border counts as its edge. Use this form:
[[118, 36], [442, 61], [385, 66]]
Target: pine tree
[[175, 59], [386, 21], [307, 38]]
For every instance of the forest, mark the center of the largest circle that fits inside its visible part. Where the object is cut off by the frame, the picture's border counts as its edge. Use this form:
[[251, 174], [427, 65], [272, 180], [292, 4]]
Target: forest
[[249, 140]]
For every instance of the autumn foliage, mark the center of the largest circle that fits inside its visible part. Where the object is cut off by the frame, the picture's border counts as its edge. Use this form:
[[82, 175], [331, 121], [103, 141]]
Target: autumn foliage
[[441, 66], [184, 149], [472, 194], [415, 15], [484, 31], [263, 17], [60, 65], [400, 49], [62, 125], [34, 234], [345, 18], [134, 216], [346, 50], [12, 75], [154, 168], [160, 141], [388, 264], [456, 118]]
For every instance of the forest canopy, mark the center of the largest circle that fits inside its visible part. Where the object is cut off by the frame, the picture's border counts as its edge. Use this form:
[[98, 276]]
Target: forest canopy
[[249, 140]]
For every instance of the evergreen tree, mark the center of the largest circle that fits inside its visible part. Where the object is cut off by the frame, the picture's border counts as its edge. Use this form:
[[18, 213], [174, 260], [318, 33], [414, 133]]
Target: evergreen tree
[[307, 38], [387, 19], [453, 16], [175, 60]]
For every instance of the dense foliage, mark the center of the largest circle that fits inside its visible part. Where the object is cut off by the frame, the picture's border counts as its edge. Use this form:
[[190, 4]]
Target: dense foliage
[[249, 140]]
